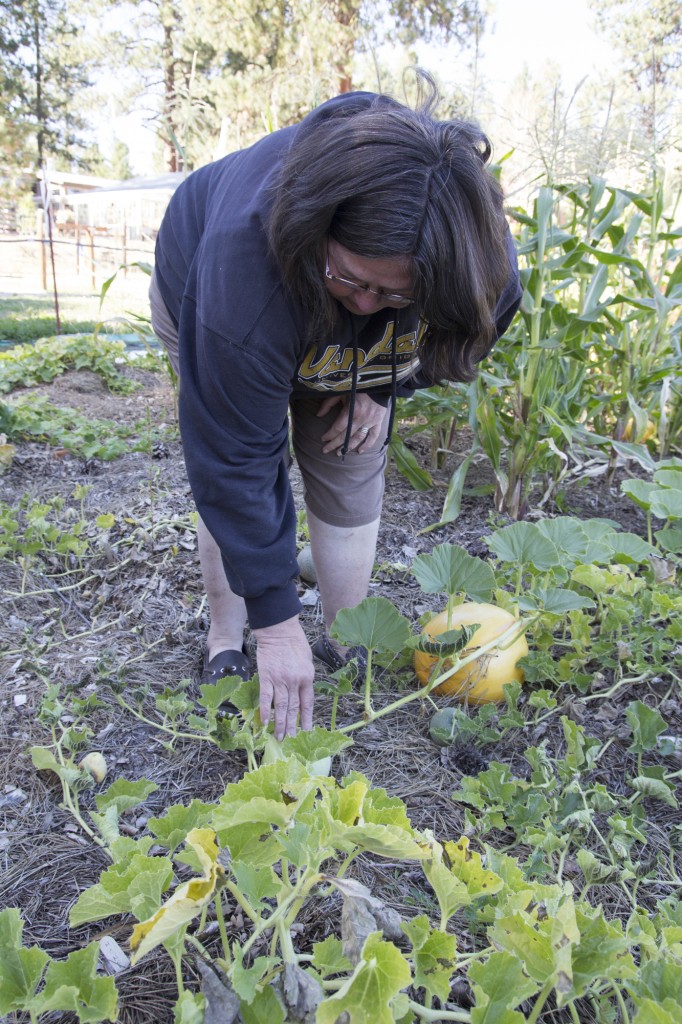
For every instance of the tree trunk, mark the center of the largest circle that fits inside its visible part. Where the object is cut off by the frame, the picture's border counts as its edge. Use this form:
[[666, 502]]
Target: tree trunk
[[168, 17]]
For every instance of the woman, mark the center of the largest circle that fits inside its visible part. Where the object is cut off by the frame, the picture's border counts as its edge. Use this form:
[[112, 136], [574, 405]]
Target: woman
[[322, 272]]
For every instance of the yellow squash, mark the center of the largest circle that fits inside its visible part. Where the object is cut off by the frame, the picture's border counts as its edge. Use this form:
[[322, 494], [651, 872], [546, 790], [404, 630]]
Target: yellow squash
[[482, 680]]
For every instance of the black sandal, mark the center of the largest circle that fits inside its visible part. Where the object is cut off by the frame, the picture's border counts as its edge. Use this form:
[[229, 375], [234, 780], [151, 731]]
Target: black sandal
[[226, 663], [324, 650]]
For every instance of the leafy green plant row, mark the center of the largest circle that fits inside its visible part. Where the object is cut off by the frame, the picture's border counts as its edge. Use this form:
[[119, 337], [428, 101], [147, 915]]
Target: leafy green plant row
[[34, 418], [590, 372], [282, 839], [28, 329], [27, 365]]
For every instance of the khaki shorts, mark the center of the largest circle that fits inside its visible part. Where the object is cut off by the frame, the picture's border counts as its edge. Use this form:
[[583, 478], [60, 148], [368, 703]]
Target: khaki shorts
[[342, 492]]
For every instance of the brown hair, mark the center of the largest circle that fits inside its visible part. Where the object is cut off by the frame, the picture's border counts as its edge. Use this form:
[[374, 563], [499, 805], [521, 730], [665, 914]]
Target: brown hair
[[386, 181]]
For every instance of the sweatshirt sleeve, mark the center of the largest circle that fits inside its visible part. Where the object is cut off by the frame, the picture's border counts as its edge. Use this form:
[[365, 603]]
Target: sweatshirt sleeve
[[233, 417]]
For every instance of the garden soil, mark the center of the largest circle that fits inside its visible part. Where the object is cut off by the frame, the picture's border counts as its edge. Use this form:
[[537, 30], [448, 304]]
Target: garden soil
[[141, 617]]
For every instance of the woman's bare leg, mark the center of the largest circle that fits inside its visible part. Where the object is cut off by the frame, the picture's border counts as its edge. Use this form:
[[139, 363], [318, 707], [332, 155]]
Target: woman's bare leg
[[344, 559], [228, 611]]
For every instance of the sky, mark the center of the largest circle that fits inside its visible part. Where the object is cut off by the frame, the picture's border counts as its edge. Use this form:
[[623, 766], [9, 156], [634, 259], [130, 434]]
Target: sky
[[519, 33], [535, 32], [532, 35]]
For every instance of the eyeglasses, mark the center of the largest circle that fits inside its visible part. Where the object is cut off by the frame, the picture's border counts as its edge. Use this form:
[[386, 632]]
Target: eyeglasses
[[391, 297]]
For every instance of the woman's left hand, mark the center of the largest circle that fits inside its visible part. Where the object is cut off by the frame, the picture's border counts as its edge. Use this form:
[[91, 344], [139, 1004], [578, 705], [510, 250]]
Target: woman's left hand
[[368, 418]]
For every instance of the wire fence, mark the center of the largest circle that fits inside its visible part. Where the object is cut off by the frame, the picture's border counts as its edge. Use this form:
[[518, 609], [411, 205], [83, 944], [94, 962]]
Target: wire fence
[[84, 258]]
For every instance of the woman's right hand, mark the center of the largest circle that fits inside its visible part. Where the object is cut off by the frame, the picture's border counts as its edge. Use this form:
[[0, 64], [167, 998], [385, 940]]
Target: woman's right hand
[[286, 674]]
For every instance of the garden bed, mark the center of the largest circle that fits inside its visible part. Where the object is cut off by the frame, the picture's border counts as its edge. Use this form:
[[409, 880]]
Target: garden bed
[[117, 598]]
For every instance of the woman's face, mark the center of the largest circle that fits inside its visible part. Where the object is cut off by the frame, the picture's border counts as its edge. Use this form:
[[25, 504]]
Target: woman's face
[[364, 285]]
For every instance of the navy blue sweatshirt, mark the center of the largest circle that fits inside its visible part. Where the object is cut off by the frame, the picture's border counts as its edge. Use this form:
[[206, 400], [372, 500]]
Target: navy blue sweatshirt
[[243, 351]]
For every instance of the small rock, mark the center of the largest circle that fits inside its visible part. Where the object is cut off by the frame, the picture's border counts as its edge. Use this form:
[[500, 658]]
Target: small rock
[[19, 700]]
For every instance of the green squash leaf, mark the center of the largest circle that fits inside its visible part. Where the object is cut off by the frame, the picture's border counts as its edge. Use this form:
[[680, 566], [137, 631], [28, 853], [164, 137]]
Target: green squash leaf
[[123, 795], [650, 783], [646, 724], [375, 624], [44, 760], [315, 744], [72, 985], [133, 886], [171, 829], [449, 569], [499, 985], [190, 1008], [660, 980], [524, 544], [649, 1012], [256, 883], [246, 980], [380, 975], [20, 968], [265, 1006], [328, 957], [554, 601], [568, 536]]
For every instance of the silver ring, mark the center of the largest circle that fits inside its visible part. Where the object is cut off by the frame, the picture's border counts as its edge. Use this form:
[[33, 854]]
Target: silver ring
[[363, 430]]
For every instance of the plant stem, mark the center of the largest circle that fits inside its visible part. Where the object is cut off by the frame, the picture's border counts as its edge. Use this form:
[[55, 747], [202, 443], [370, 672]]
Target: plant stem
[[621, 1005], [71, 800], [473, 957], [221, 927], [507, 637], [243, 903], [177, 963], [177, 734], [285, 943], [438, 1015], [625, 681], [344, 867], [369, 713], [67, 639], [540, 1002], [335, 707], [308, 880]]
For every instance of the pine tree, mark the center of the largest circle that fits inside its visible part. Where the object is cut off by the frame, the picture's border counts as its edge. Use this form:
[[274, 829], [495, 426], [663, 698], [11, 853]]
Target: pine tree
[[42, 75]]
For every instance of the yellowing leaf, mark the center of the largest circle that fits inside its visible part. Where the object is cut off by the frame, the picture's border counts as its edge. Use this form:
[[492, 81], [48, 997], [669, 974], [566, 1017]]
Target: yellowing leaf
[[6, 453], [387, 841], [347, 802], [187, 901], [467, 865], [434, 957]]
